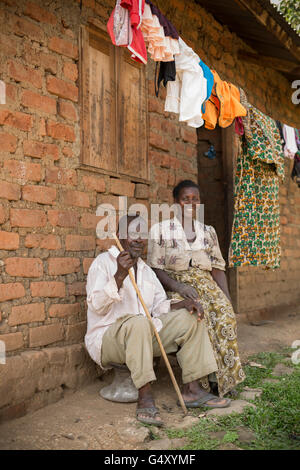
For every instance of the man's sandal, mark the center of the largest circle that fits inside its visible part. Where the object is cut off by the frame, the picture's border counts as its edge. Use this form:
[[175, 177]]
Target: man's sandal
[[201, 402], [152, 412]]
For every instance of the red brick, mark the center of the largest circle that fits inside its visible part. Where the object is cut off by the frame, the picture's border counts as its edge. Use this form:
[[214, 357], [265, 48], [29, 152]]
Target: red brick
[[92, 183], [155, 105], [64, 310], [104, 244], [49, 62], [23, 27], [63, 47], [27, 218], [23, 74], [76, 332], [42, 127], [161, 176], [15, 119], [9, 241], [70, 71], [12, 341], [11, 92], [180, 147], [86, 264], [67, 151], [40, 150], [141, 191], [60, 131], [36, 101], [23, 170], [109, 199], [11, 290], [3, 216], [188, 168], [8, 142], [26, 314], [60, 266], [171, 129], [76, 198], [191, 151], [63, 218], [90, 221], [80, 243], [158, 141], [48, 289], [62, 89], [8, 45], [39, 14], [121, 187], [43, 335], [159, 158], [67, 111], [189, 135], [61, 176], [40, 194], [39, 240], [10, 191], [24, 267], [77, 288]]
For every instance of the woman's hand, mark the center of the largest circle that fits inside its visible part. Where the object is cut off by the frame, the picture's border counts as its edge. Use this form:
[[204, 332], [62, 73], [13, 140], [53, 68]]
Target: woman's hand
[[191, 305], [188, 292]]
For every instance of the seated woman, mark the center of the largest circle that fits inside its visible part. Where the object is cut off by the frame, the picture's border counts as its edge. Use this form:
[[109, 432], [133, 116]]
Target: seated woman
[[188, 262]]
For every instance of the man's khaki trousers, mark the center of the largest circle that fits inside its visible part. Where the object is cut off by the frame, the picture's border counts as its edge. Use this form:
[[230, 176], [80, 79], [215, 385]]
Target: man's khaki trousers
[[131, 341]]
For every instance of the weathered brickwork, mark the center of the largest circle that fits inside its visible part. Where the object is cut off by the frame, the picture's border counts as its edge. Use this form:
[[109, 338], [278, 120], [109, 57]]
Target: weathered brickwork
[[48, 201]]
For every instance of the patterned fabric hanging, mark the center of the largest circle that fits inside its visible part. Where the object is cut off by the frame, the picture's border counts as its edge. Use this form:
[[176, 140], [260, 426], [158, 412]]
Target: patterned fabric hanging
[[255, 236]]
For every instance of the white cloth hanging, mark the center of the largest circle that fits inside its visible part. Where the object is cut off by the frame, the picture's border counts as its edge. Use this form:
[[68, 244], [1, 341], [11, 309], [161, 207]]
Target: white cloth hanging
[[186, 95], [290, 148]]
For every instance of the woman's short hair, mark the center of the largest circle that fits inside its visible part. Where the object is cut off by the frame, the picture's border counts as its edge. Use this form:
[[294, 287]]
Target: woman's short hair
[[183, 184]]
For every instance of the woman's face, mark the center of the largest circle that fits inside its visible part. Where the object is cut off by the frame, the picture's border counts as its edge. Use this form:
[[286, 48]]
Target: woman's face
[[189, 196]]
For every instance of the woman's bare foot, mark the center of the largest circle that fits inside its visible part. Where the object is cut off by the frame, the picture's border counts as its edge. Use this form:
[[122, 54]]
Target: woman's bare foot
[[192, 392]]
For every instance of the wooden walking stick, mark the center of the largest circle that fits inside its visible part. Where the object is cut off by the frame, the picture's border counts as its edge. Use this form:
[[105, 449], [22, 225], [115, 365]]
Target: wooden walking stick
[[163, 353]]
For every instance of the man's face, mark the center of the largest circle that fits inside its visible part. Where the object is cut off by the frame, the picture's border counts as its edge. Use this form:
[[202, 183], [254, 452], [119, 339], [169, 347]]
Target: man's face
[[136, 240]]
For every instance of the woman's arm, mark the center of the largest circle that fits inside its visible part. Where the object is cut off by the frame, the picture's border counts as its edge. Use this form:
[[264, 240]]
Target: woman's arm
[[169, 284], [220, 278]]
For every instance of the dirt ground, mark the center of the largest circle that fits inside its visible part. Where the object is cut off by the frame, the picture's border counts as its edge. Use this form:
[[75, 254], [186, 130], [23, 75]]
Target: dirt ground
[[83, 420]]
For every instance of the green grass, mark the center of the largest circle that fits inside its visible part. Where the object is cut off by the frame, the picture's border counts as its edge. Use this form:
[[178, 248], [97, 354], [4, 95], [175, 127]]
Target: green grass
[[275, 421]]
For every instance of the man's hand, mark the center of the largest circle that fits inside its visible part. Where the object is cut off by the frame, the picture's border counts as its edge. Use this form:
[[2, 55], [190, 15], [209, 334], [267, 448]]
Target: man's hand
[[188, 292], [125, 262], [191, 305]]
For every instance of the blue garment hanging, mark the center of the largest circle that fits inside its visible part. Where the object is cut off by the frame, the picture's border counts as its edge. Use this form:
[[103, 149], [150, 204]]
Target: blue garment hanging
[[210, 81]]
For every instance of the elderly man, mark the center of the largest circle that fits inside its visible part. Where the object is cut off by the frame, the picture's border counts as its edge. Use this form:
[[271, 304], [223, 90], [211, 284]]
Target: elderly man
[[118, 330]]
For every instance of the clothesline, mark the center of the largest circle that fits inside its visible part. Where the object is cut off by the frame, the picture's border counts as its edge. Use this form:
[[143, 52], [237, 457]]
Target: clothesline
[[197, 94]]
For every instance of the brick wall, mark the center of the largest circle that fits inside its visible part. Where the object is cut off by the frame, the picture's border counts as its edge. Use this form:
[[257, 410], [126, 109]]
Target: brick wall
[[48, 202]]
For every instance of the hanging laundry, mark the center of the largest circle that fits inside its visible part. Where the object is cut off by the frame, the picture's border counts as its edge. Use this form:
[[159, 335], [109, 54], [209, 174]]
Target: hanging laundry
[[159, 35], [297, 134], [210, 82], [296, 169], [224, 104], [119, 26], [123, 35], [167, 73], [290, 148], [239, 126], [169, 28], [245, 119], [186, 95], [255, 236]]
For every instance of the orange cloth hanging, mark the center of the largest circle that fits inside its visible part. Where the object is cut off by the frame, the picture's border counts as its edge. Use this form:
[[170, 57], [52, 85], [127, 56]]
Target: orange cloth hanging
[[224, 104]]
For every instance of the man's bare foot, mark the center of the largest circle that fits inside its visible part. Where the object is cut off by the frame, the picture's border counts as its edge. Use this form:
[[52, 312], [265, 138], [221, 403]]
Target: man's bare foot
[[145, 400], [192, 392]]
